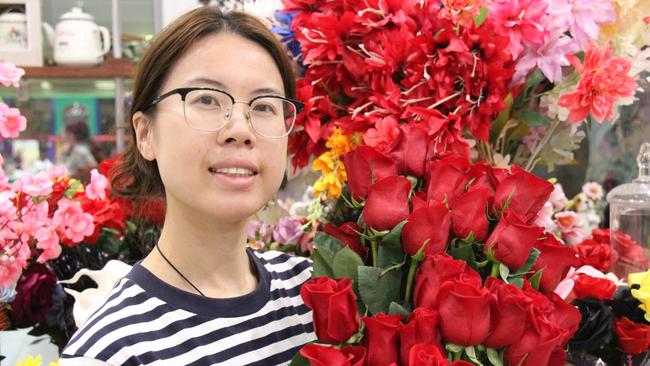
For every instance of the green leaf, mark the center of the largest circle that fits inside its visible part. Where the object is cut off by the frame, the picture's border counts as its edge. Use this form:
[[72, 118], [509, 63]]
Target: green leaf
[[530, 262], [454, 347], [73, 188], [346, 262], [464, 252], [536, 279], [471, 353], [131, 226], [535, 78], [504, 271], [533, 118], [321, 266], [499, 123], [394, 238], [396, 308], [480, 17], [390, 250], [494, 357], [328, 247], [376, 291], [298, 360], [518, 281]]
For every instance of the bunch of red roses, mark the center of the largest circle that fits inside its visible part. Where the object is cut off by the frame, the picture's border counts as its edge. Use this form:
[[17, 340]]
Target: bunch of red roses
[[443, 264]]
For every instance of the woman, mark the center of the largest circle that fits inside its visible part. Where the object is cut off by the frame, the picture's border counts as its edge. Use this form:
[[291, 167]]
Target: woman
[[211, 112], [77, 154]]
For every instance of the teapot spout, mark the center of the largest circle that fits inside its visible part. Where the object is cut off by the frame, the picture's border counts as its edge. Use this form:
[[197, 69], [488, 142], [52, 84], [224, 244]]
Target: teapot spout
[[49, 33]]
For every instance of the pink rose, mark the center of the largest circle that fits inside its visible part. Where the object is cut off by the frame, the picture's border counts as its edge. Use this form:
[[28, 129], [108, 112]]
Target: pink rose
[[71, 221], [96, 189], [567, 220], [35, 185], [48, 242]]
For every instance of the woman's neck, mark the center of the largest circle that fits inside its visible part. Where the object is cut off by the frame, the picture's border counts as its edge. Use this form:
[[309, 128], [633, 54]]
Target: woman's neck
[[211, 255]]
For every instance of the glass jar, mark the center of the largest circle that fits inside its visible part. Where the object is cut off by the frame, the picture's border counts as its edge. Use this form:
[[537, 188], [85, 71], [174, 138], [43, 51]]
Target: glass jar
[[630, 219]]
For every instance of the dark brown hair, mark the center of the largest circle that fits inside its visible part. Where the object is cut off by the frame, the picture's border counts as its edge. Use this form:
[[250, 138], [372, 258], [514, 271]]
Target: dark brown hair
[[136, 177]]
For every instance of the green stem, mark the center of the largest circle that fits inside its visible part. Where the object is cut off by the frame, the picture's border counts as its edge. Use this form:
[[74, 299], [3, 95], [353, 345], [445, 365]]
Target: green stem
[[547, 137], [495, 270], [373, 247], [411, 276], [458, 355]]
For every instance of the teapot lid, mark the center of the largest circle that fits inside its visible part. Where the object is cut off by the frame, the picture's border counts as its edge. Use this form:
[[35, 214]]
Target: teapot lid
[[13, 16], [76, 13]]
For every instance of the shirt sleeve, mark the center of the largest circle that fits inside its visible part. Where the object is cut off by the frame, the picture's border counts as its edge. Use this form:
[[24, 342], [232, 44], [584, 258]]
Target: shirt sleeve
[[82, 361]]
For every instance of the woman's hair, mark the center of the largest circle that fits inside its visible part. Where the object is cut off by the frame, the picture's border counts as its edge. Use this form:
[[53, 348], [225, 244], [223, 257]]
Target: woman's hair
[[79, 130], [136, 177]]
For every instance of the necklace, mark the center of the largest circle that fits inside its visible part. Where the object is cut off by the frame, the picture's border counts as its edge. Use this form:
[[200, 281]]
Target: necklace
[[177, 271]]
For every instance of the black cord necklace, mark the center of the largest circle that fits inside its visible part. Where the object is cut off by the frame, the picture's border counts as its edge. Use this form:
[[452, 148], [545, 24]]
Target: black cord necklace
[[177, 271]]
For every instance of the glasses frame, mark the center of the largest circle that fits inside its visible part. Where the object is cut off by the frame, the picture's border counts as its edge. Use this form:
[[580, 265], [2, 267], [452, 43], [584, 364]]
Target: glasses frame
[[184, 91]]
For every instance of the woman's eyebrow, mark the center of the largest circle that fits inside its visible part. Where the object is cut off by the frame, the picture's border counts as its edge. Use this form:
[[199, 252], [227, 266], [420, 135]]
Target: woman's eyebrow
[[219, 85]]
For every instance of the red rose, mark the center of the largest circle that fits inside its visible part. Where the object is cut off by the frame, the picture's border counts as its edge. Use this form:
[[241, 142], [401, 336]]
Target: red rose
[[347, 234], [512, 240], [629, 251], [382, 338], [33, 296], [319, 355], [565, 316], [387, 203], [421, 328], [482, 176], [106, 214], [425, 354], [365, 165], [527, 193], [600, 235], [446, 178], [599, 288], [427, 224], [508, 313], [469, 214], [595, 254], [464, 312], [335, 308], [555, 259], [436, 269], [411, 151], [536, 345], [634, 337]]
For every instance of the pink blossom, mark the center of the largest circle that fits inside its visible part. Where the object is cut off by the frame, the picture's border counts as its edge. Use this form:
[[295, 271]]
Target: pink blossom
[[545, 217], [10, 271], [558, 198], [549, 57], [584, 17], [11, 121], [384, 136], [39, 184], [96, 190], [71, 222], [7, 208], [10, 74], [593, 190], [287, 231], [34, 217], [574, 236], [48, 241], [57, 171], [567, 220], [520, 20]]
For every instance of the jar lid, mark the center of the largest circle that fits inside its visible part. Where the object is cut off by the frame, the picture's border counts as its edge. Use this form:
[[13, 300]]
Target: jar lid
[[637, 191], [76, 13]]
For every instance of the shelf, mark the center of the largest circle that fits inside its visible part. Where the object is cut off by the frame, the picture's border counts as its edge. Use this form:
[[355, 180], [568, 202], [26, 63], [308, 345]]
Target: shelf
[[111, 68]]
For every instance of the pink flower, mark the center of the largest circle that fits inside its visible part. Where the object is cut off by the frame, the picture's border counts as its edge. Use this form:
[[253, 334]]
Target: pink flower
[[10, 74], [603, 81], [545, 218], [549, 57], [34, 216], [57, 171], [11, 121], [70, 220], [13, 258], [48, 241], [460, 11], [35, 185], [96, 190], [567, 220], [558, 199], [520, 20], [574, 236], [287, 231], [384, 136], [584, 17], [10, 271], [593, 190], [7, 208]]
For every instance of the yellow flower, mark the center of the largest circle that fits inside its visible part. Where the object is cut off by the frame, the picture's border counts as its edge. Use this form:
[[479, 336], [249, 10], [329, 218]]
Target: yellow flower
[[329, 184], [340, 144], [31, 361], [325, 163], [643, 293], [54, 363]]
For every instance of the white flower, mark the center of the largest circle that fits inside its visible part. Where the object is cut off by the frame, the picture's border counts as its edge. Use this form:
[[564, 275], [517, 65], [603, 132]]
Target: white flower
[[87, 301]]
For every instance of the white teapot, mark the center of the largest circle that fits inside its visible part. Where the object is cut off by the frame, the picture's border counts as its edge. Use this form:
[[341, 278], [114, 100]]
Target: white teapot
[[13, 31], [78, 41]]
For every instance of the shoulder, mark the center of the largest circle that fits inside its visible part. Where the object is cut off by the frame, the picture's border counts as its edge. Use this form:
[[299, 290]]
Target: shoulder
[[286, 267]]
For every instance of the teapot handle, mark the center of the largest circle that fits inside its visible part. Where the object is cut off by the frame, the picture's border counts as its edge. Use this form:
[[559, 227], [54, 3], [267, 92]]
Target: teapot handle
[[106, 40]]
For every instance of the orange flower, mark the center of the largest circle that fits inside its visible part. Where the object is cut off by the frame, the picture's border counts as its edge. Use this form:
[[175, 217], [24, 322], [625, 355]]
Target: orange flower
[[603, 81]]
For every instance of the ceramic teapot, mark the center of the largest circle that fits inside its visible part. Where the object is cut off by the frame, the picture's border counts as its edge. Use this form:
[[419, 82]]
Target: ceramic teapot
[[13, 30], [77, 40]]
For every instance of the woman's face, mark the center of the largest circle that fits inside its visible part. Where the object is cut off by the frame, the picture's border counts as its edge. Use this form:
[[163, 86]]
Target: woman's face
[[229, 174]]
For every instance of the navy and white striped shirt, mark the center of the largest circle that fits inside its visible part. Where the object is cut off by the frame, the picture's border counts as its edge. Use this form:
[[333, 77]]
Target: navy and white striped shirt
[[145, 321]]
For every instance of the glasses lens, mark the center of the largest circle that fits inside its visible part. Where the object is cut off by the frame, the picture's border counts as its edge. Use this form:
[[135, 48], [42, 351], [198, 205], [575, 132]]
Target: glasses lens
[[206, 109], [272, 117]]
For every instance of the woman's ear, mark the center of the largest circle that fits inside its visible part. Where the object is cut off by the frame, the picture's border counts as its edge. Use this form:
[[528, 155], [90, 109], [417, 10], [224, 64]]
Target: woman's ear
[[143, 135]]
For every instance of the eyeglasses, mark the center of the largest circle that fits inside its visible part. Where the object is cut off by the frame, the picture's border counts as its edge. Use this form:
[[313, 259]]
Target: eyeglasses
[[209, 110]]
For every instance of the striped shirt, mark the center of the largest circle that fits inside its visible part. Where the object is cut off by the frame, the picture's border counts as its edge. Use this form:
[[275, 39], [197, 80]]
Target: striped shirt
[[145, 321]]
